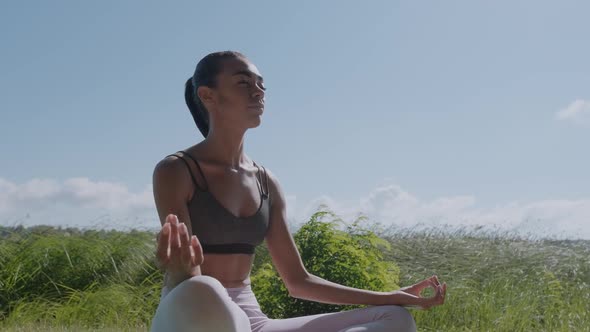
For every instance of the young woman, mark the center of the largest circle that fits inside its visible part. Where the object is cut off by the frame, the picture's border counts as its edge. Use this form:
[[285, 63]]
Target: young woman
[[216, 205]]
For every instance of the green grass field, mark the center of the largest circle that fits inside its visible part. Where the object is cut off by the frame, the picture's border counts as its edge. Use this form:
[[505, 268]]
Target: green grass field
[[72, 280]]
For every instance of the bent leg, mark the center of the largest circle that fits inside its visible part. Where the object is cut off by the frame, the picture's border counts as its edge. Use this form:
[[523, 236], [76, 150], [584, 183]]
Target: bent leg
[[392, 318], [386, 318], [197, 304]]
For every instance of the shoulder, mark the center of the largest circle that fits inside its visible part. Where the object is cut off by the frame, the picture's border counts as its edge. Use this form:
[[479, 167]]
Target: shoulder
[[172, 172], [172, 189], [174, 165], [169, 167]]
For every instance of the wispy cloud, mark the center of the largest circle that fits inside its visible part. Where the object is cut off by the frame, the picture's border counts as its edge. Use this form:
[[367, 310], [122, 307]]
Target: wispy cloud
[[577, 112], [390, 205], [82, 202], [74, 191], [74, 202]]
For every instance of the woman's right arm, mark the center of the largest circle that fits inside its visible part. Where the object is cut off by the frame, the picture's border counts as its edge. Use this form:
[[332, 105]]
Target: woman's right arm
[[178, 252]]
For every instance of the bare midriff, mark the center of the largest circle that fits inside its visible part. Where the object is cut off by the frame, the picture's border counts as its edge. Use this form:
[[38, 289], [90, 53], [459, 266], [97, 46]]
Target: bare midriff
[[232, 270]]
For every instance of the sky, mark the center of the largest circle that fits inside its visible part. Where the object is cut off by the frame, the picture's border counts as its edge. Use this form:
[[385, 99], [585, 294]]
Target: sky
[[455, 113]]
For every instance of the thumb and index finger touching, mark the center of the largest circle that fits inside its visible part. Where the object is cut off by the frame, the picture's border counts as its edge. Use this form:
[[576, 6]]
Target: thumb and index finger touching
[[439, 291], [429, 282]]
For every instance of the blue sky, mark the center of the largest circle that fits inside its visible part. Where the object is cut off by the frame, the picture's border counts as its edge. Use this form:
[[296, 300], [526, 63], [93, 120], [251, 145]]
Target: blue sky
[[454, 111]]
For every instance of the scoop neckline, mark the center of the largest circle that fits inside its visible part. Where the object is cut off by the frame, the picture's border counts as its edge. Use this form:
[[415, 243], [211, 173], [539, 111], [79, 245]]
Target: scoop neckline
[[208, 192], [262, 198]]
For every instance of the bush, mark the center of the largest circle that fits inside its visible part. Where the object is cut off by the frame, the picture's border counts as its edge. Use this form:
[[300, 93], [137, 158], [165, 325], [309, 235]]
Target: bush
[[353, 258]]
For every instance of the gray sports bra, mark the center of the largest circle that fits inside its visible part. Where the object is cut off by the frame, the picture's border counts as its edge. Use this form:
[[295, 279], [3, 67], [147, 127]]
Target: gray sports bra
[[217, 229]]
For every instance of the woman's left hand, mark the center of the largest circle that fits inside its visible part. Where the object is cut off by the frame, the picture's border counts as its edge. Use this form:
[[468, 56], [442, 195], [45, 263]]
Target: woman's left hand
[[416, 290]]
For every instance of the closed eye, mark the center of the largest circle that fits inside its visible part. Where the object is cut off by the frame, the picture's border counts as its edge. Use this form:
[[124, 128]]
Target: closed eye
[[248, 83]]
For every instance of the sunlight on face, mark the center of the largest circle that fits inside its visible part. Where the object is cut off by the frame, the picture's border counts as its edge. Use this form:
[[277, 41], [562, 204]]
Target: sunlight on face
[[240, 92]]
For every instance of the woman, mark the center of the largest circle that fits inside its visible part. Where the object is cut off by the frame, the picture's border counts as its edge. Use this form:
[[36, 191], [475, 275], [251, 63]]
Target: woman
[[216, 205]]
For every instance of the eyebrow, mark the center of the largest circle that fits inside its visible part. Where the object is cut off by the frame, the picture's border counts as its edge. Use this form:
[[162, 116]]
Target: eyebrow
[[247, 73]]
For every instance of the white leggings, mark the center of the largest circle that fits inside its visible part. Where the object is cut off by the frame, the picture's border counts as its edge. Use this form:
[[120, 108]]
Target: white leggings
[[202, 304]]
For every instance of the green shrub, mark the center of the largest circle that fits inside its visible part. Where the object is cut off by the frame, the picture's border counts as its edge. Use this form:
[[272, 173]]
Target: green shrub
[[353, 258]]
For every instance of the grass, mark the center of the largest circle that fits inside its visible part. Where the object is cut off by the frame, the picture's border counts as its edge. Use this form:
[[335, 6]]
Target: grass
[[498, 282], [73, 280]]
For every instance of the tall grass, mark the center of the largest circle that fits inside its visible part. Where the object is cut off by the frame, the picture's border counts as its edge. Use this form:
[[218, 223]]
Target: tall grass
[[93, 279], [498, 281], [73, 280]]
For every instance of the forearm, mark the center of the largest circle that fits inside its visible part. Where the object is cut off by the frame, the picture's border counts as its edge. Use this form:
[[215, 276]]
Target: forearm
[[317, 289]]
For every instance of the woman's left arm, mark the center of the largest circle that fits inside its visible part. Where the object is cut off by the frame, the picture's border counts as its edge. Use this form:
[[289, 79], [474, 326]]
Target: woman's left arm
[[304, 285], [314, 288]]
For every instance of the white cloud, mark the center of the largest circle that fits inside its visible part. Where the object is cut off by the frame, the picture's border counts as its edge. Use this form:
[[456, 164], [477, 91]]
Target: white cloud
[[74, 191], [81, 202], [390, 205], [578, 112], [74, 202]]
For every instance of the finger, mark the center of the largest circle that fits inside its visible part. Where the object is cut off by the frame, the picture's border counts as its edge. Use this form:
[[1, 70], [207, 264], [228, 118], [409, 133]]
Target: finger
[[434, 300], [172, 218], [198, 250], [162, 251], [440, 290], [174, 238], [185, 249], [425, 284], [435, 279], [422, 284], [441, 295], [432, 284]]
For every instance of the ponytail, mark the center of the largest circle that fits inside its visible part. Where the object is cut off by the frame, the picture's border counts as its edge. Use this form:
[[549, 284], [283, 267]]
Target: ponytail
[[196, 107]]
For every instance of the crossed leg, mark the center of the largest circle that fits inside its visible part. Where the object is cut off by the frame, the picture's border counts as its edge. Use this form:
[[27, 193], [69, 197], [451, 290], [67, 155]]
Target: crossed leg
[[202, 303], [386, 318], [198, 304]]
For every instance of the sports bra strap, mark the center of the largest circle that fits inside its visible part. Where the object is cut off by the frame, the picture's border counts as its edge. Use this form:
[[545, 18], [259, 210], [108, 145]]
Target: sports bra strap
[[263, 184], [189, 169], [198, 167]]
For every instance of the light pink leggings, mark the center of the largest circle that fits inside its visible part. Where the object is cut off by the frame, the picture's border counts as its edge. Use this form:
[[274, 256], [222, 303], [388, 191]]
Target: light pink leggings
[[202, 304]]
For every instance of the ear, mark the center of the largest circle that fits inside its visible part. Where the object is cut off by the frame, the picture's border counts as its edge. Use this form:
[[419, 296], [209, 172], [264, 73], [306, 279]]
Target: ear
[[205, 94]]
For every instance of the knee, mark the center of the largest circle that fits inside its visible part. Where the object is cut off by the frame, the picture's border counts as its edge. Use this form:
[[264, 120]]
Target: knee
[[202, 291], [195, 301], [201, 284], [401, 318]]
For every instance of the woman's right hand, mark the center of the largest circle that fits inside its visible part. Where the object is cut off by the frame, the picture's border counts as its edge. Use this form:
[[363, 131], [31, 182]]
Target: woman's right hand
[[179, 254]]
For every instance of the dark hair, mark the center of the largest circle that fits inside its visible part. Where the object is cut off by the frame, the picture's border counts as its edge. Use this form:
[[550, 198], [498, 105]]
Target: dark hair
[[205, 73]]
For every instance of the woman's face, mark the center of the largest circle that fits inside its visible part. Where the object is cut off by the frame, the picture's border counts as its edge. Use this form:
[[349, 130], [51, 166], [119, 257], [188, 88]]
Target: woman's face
[[239, 94]]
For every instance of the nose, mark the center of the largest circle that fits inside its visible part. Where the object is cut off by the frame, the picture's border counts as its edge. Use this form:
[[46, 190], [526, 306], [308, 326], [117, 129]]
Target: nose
[[258, 92]]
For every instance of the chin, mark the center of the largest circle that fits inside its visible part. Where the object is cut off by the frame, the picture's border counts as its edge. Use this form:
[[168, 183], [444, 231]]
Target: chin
[[255, 123]]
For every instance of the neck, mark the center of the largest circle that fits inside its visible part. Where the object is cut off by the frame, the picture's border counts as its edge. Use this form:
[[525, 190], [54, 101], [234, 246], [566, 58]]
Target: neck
[[226, 146]]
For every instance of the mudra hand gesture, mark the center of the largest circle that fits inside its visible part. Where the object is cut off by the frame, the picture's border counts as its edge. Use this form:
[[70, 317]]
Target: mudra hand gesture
[[418, 301], [178, 253]]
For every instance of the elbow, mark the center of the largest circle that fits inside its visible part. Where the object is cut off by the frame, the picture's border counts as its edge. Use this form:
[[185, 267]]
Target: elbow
[[295, 287], [293, 291], [292, 294]]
